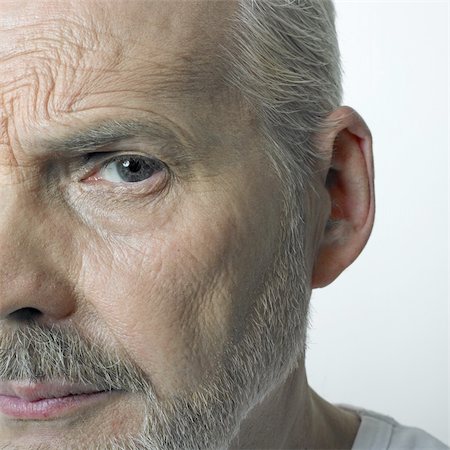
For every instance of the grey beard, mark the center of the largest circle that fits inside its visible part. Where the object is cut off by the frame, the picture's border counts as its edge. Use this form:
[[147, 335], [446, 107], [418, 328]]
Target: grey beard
[[271, 345]]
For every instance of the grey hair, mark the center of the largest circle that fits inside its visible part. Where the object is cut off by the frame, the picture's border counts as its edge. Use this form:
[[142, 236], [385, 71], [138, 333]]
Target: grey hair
[[284, 59]]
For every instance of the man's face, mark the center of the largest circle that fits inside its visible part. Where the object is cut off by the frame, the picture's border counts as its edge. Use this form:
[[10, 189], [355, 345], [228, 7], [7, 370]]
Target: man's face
[[157, 261]]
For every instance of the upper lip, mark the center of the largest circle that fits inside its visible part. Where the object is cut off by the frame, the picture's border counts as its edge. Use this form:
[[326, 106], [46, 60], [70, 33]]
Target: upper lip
[[39, 391]]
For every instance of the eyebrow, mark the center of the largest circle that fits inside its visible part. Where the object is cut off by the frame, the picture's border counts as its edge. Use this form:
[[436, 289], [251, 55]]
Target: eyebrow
[[109, 132]]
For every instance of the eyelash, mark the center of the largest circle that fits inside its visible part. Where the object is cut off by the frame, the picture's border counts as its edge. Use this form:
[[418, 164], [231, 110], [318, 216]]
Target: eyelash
[[95, 162]]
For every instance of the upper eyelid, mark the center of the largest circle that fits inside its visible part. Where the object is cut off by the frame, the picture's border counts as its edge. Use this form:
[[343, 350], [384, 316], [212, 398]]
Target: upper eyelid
[[92, 159]]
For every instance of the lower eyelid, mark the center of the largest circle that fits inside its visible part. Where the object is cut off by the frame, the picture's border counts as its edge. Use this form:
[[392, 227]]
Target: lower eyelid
[[150, 186]]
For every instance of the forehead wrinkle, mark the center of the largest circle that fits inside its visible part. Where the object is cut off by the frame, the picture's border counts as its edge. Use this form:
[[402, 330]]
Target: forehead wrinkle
[[48, 35], [55, 58], [171, 79], [82, 49], [83, 57]]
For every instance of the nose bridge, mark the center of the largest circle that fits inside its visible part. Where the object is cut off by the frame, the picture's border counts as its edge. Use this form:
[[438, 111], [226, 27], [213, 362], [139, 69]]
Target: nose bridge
[[30, 254]]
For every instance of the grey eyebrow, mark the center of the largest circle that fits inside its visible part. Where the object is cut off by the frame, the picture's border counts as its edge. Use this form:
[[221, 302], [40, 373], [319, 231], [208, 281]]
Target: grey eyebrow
[[112, 131]]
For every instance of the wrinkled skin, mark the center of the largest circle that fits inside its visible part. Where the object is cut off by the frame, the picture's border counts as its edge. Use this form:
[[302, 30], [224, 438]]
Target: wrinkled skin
[[190, 284], [164, 269]]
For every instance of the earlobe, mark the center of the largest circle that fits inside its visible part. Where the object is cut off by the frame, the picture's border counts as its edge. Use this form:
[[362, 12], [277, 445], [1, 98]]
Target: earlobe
[[350, 186]]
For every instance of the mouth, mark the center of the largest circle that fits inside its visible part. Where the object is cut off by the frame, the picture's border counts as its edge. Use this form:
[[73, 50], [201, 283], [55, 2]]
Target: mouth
[[45, 401]]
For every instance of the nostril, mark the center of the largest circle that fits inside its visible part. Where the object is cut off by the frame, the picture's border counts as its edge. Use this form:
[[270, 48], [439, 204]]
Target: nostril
[[25, 314]]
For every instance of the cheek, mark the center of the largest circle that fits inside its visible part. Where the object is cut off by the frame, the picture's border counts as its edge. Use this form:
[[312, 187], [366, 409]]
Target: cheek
[[171, 297]]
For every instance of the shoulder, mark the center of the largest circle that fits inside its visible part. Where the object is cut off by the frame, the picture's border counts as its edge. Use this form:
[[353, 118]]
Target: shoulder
[[414, 438], [381, 432]]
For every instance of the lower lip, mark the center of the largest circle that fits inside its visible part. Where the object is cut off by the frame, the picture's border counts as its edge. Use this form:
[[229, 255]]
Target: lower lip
[[45, 409]]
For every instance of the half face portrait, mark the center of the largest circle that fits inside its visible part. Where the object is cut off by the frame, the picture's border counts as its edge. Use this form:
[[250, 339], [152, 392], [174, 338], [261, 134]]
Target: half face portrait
[[176, 177]]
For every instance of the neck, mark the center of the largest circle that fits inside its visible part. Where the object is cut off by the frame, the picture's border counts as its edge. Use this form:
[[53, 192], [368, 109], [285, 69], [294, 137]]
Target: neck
[[293, 416]]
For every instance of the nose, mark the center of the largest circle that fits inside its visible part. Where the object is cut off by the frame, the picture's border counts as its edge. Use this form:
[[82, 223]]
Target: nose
[[33, 293], [32, 283]]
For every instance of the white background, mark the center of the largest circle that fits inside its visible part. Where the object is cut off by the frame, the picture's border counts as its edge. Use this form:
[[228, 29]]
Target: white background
[[380, 333]]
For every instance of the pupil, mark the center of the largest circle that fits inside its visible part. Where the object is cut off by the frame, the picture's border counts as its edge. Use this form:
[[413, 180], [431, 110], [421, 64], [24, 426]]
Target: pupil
[[137, 169], [132, 165]]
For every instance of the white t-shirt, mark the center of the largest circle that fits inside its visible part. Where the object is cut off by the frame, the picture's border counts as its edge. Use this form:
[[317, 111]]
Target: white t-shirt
[[378, 432]]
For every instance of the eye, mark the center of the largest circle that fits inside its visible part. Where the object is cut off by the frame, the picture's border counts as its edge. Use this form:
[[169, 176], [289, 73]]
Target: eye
[[127, 169]]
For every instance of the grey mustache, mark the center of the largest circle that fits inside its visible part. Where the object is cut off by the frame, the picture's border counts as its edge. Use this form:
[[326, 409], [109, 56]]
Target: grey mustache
[[38, 353]]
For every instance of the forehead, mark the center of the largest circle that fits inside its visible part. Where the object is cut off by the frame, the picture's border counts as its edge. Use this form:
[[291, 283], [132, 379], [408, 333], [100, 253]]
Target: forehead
[[165, 22], [69, 50]]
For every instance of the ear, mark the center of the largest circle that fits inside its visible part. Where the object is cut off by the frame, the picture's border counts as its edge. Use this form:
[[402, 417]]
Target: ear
[[349, 181]]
